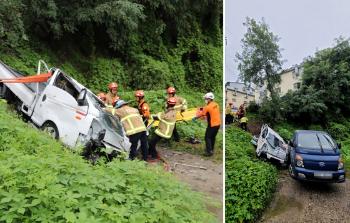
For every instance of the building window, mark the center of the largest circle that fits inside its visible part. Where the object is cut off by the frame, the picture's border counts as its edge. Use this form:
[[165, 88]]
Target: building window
[[297, 85]]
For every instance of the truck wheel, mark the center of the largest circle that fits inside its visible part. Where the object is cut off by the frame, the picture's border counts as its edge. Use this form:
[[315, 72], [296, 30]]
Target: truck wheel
[[51, 129]]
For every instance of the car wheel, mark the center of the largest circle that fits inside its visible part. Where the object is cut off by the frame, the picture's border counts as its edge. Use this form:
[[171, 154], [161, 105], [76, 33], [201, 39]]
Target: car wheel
[[51, 129], [291, 171]]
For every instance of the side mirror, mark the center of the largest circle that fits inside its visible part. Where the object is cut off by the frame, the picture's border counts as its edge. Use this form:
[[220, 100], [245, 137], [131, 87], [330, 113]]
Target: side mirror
[[339, 145], [82, 97]]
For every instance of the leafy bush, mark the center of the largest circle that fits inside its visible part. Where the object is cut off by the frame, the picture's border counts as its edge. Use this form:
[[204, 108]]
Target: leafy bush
[[41, 181], [249, 182], [338, 131]]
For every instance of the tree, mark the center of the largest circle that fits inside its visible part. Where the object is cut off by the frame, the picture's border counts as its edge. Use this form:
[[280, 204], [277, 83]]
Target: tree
[[260, 59], [328, 72]]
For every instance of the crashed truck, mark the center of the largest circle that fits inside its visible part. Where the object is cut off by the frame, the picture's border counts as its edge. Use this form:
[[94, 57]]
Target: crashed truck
[[270, 145], [61, 106]]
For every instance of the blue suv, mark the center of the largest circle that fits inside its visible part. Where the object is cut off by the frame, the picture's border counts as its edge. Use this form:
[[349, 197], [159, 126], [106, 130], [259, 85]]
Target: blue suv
[[315, 156]]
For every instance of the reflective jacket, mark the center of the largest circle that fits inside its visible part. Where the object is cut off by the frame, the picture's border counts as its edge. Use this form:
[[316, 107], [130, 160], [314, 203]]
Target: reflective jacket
[[212, 111], [111, 99], [130, 119], [243, 120], [166, 125]]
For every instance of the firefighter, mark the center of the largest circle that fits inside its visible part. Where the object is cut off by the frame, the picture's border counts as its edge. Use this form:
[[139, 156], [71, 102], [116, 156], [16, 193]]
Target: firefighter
[[181, 106], [212, 112], [244, 123], [228, 114], [166, 126], [143, 106], [102, 97], [242, 110], [134, 127], [112, 96]]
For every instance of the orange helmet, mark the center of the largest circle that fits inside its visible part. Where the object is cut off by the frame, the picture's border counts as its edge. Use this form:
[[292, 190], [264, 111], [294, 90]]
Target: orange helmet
[[171, 90], [139, 93], [171, 101], [112, 85], [101, 96]]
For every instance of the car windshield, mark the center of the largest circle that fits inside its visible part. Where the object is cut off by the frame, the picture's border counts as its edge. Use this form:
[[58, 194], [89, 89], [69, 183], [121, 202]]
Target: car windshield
[[313, 140], [95, 101]]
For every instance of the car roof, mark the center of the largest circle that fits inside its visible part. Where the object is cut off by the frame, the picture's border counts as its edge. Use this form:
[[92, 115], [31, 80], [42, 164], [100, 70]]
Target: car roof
[[309, 131]]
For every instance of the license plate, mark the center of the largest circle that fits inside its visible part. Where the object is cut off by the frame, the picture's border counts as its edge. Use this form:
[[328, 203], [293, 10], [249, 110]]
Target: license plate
[[323, 175]]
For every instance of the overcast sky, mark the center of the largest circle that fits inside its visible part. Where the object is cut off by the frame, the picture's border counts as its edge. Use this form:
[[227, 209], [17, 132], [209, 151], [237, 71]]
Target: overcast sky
[[303, 26]]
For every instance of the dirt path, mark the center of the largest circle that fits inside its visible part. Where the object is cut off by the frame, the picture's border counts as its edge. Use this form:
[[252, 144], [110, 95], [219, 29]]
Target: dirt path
[[308, 202], [208, 181]]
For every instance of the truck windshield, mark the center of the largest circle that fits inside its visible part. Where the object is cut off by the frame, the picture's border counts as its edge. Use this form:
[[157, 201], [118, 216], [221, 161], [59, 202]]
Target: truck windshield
[[310, 141]]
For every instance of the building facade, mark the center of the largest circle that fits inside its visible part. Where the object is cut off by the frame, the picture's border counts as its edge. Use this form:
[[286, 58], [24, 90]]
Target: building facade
[[237, 93]]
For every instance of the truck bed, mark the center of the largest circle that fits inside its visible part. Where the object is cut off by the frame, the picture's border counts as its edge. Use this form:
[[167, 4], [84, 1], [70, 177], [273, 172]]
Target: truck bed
[[24, 91]]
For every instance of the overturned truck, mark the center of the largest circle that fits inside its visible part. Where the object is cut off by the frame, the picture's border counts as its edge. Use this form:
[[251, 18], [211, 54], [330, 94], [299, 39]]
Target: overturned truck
[[61, 106], [270, 145]]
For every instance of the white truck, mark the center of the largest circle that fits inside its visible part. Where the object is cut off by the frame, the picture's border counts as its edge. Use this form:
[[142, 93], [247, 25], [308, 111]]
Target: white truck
[[65, 109], [271, 145]]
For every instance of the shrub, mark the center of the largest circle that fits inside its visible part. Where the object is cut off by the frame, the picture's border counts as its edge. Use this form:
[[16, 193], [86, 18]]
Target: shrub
[[41, 181], [338, 131], [249, 182]]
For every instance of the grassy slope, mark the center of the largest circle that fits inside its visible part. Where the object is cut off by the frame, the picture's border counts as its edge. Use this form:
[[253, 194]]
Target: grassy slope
[[40, 179]]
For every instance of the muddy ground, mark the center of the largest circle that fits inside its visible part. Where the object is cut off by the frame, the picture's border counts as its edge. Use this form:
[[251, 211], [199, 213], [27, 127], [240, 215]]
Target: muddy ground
[[308, 202], [206, 177]]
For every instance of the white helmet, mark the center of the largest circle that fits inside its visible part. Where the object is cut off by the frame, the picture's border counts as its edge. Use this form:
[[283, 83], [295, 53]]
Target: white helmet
[[209, 95]]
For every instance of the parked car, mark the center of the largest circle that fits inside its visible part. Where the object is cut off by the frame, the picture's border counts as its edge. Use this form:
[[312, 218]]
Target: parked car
[[315, 156], [271, 145], [65, 109]]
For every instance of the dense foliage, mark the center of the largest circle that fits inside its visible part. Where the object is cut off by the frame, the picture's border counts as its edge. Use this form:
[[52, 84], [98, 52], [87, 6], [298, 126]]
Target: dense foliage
[[260, 60], [42, 181], [324, 94], [249, 182], [141, 44]]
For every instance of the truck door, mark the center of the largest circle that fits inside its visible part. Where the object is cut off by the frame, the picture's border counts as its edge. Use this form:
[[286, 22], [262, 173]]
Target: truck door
[[58, 104]]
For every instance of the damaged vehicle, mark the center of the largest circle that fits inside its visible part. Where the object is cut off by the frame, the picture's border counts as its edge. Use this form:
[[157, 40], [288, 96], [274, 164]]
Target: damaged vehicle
[[63, 107], [270, 145]]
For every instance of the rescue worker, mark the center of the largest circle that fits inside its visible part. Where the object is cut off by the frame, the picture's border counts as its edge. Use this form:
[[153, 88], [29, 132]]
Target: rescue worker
[[134, 127], [181, 106], [228, 114], [112, 97], [243, 123], [166, 126], [142, 106], [102, 97], [212, 112], [242, 110]]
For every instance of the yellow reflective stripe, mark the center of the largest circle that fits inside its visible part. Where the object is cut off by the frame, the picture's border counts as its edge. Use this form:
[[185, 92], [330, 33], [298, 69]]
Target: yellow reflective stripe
[[129, 116], [113, 111], [161, 134], [132, 131], [177, 106]]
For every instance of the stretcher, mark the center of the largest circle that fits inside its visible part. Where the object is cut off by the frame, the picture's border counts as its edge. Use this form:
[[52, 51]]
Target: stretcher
[[187, 115]]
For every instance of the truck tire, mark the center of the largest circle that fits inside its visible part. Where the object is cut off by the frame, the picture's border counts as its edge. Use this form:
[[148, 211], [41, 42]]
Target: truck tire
[[51, 129]]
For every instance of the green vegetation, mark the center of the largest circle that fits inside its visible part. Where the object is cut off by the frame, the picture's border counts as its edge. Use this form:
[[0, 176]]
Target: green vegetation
[[42, 181], [140, 44], [249, 181]]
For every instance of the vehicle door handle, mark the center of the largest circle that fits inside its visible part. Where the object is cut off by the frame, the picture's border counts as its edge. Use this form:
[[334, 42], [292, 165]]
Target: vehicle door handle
[[44, 98]]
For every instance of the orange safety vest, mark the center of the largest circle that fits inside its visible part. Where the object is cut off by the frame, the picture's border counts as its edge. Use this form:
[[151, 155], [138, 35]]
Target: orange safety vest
[[166, 123], [144, 109], [130, 119], [212, 111]]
